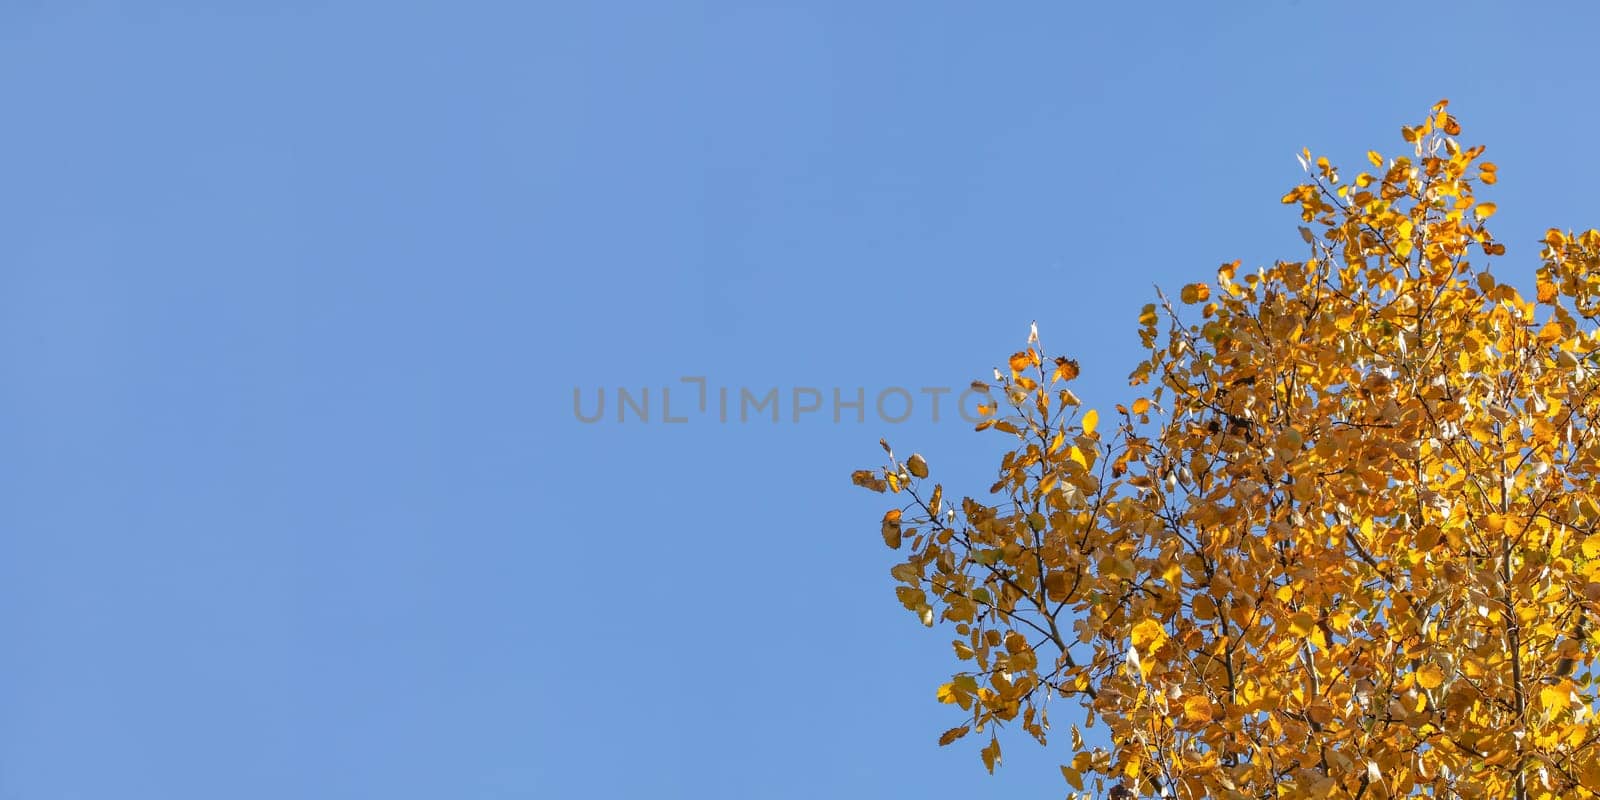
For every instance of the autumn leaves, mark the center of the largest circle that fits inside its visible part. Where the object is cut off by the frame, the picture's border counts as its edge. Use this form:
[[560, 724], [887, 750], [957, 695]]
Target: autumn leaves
[[1344, 542]]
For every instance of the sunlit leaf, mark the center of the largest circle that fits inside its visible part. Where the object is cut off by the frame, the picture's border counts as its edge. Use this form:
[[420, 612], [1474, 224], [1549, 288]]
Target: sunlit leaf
[[891, 528]]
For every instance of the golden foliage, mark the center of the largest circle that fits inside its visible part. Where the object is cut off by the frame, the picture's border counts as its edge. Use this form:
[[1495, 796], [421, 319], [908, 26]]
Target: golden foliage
[[1343, 544]]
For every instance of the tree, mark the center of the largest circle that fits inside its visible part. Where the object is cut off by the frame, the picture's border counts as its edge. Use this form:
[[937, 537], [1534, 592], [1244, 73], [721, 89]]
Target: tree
[[1345, 542]]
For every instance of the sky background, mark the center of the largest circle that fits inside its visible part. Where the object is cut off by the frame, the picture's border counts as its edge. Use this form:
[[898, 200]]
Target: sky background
[[294, 298]]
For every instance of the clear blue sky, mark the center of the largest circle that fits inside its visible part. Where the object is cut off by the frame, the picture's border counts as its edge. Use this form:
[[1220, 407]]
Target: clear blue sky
[[294, 297]]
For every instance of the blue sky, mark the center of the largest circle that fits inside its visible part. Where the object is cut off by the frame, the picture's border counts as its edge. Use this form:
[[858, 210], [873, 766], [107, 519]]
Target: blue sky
[[294, 298]]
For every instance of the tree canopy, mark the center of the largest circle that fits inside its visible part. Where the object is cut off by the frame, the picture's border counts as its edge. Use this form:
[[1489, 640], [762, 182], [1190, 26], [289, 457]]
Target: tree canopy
[[1341, 541]]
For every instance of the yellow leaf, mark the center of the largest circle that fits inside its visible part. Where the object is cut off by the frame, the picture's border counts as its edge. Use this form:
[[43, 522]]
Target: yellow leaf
[[1302, 623], [1485, 210], [1141, 405], [1073, 777], [991, 754], [1430, 676], [891, 528], [1591, 546], [1377, 160], [1091, 419], [1550, 333], [868, 479], [1147, 635], [917, 466], [1197, 708], [1554, 698]]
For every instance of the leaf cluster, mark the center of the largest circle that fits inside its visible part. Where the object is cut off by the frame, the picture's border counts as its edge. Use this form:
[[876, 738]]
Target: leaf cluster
[[1342, 543]]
